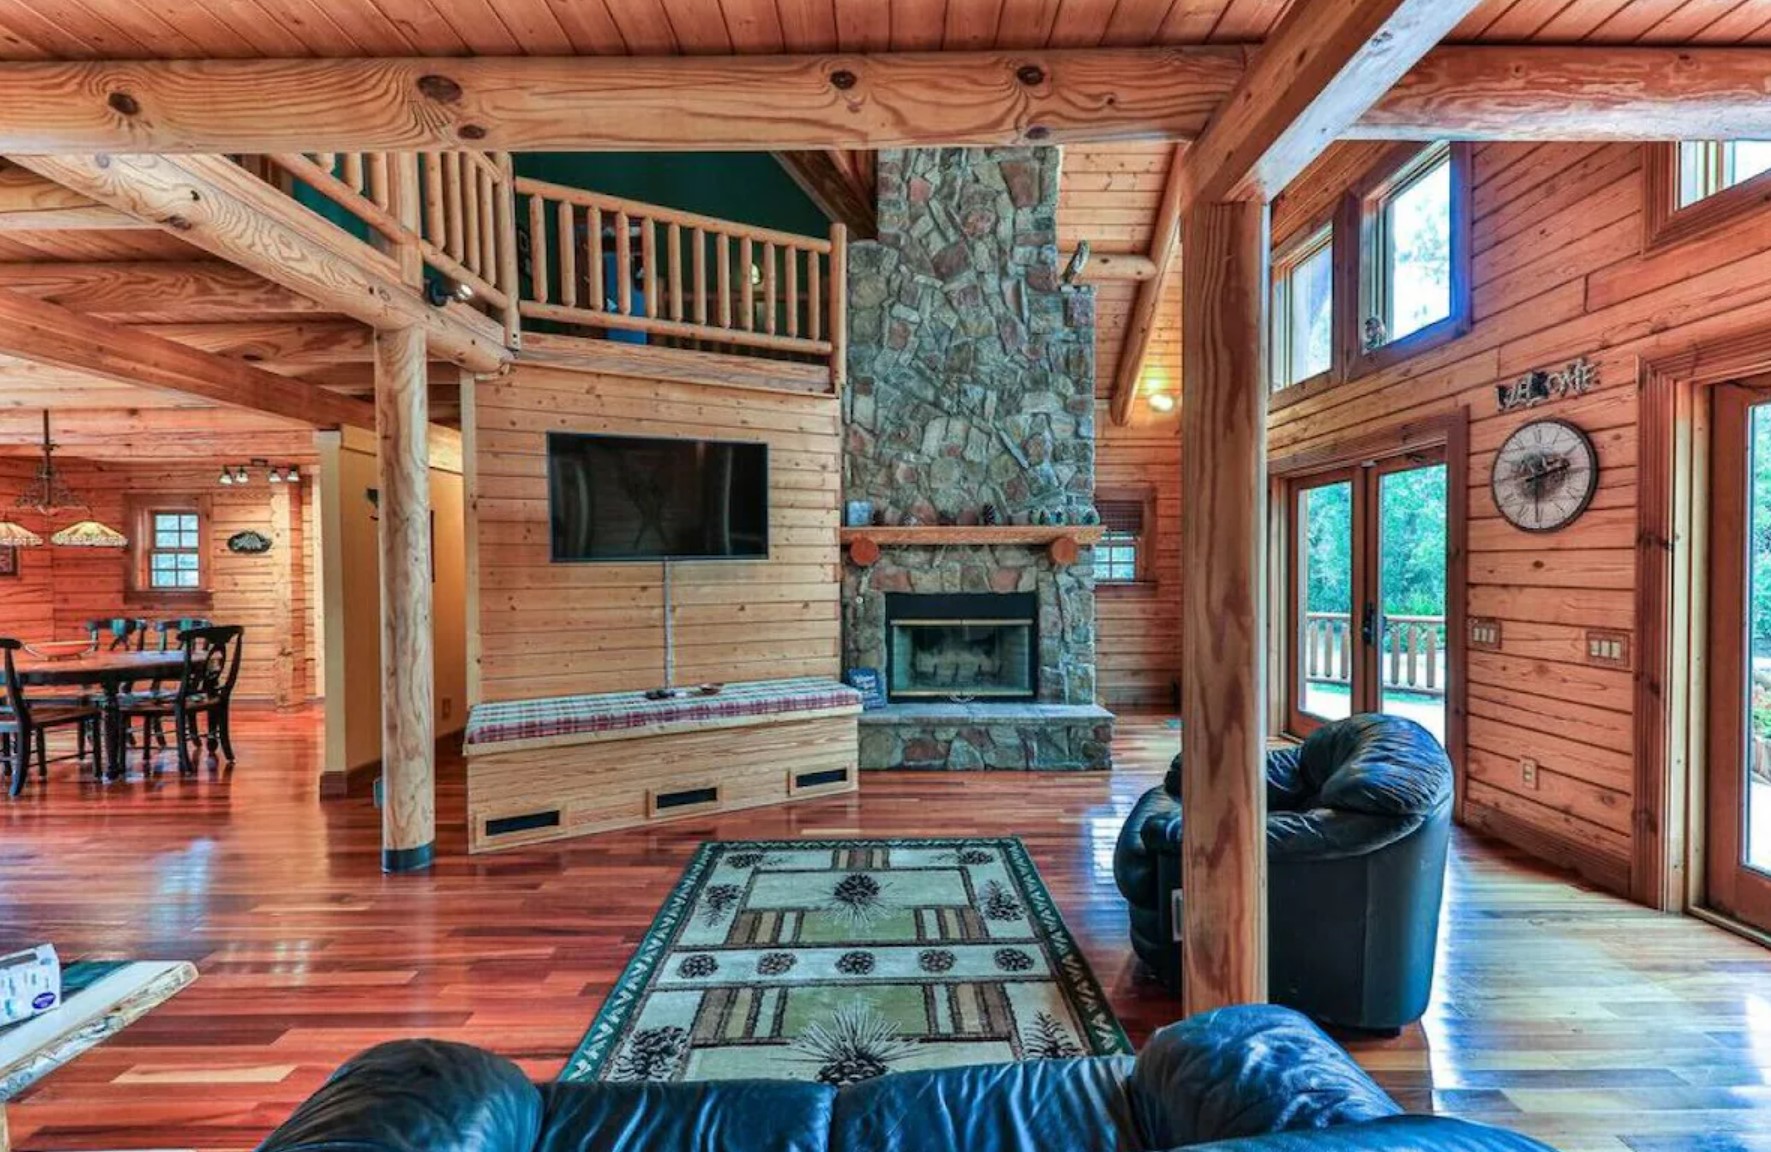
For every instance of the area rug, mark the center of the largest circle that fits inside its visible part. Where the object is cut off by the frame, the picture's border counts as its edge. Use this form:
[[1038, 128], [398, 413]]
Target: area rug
[[841, 960], [99, 999]]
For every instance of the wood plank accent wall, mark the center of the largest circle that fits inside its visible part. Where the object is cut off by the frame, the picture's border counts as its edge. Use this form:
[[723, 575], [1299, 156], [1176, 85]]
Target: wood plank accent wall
[[59, 589], [1559, 272], [551, 629], [1138, 637]]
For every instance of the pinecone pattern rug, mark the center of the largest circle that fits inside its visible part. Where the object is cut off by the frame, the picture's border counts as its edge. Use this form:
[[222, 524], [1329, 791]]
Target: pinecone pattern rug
[[841, 960]]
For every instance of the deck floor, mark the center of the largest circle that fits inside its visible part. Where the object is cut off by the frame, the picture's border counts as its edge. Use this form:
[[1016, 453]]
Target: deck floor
[[1581, 1019]]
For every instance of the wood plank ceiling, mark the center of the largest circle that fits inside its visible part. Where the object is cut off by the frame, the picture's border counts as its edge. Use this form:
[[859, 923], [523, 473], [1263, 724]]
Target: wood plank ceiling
[[115, 29]]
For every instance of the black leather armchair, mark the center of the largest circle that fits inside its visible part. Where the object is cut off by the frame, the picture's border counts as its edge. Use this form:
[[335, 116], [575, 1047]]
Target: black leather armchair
[[1259, 1079], [1358, 818]]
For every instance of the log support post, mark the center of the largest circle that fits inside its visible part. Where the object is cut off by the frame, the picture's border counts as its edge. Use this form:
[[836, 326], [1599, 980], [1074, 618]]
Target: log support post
[[408, 748], [1223, 560]]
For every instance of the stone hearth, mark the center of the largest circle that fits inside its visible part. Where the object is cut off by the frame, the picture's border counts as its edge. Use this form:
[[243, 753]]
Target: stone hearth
[[971, 387]]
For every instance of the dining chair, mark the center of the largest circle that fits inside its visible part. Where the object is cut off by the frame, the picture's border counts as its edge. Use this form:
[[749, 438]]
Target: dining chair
[[168, 631], [205, 689], [25, 723], [119, 633]]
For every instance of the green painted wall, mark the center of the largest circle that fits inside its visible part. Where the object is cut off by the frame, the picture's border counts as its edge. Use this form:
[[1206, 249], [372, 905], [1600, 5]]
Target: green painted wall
[[747, 187]]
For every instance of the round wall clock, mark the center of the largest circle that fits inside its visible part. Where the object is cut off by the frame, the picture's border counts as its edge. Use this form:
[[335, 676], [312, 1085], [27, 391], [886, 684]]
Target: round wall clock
[[1545, 475]]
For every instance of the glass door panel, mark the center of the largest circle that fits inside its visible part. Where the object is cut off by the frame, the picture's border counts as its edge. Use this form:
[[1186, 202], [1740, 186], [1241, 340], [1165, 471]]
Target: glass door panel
[[1738, 868], [1327, 633], [1411, 602]]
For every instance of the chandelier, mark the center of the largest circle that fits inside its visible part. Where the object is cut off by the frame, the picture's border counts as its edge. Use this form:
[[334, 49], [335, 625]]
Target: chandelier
[[48, 494]]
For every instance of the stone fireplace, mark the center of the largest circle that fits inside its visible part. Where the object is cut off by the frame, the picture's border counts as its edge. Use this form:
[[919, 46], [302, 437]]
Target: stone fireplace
[[970, 404]]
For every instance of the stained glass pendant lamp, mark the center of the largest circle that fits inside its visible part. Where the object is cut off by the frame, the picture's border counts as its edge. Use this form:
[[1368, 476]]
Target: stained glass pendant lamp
[[48, 494]]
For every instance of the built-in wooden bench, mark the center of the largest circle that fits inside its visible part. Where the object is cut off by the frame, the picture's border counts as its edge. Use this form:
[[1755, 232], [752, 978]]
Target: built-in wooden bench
[[568, 765]]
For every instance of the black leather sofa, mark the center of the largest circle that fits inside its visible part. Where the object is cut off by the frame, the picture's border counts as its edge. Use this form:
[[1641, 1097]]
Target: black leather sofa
[[1237, 1080], [1357, 822]]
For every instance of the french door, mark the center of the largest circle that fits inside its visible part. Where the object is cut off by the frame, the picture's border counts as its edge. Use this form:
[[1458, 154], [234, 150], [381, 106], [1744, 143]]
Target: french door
[[1367, 604], [1738, 780]]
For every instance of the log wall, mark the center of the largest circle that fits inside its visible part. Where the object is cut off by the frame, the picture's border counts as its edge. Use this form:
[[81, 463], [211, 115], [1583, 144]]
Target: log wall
[[1138, 638], [548, 629], [1559, 272], [59, 589]]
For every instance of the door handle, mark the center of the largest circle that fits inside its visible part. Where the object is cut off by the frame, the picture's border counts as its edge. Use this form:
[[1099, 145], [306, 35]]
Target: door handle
[[1368, 628]]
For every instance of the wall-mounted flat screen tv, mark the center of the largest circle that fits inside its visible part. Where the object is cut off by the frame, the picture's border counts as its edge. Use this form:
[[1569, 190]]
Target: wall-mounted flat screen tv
[[629, 498]]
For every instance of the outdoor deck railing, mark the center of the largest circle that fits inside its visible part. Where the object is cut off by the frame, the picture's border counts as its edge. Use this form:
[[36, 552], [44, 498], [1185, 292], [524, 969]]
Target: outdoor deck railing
[[1411, 651]]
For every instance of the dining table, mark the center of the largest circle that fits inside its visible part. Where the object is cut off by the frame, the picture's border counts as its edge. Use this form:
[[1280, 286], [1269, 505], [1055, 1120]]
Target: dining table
[[108, 671]]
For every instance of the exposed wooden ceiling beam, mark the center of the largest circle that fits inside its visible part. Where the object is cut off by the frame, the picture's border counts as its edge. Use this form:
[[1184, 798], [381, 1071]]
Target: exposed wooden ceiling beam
[[1527, 93], [1318, 71], [1140, 323], [1103, 266], [171, 291], [767, 103], [279, 345], [29, 203], [162, 435], [51, 334], [757, 103], [837, 187], [214, 204]]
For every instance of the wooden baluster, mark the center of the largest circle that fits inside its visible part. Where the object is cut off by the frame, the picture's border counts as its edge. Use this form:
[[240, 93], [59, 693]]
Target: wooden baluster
[[378, 191], [1413, 655], [537, 247], [839, 306], [470, 212], [488, 223], [814, 305], [353, 170], [1345, 632], [674, 266], [1393, 641], [699, 284], [1432, 647], [435, 226], [593, 258], [791, 254], [623, 266], [508, 272], [747, 262], [769, 305], [452, 205], [399, 181], [724, 254], [568, 242], [649, 260], [326, 160]]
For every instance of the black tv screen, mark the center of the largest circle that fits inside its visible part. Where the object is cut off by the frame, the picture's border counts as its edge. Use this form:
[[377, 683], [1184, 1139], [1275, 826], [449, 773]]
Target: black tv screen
[[622, 498]]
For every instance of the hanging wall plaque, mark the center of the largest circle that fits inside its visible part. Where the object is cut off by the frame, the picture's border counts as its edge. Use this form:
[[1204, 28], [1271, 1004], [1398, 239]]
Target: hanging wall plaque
[[249, 543]]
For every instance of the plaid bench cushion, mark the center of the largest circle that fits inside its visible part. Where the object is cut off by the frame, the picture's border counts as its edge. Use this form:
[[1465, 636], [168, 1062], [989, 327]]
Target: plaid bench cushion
[[609, 712]]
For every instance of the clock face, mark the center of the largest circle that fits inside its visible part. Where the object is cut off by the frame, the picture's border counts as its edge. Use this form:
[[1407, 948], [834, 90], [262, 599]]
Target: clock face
[[1545, 475]]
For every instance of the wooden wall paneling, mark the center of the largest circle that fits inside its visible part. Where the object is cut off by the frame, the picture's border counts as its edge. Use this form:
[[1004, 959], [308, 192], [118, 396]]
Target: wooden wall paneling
[[550, 629], [1138, 637]]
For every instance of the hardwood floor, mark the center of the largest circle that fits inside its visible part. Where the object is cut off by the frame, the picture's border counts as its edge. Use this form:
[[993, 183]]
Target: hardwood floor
[[1585, 1021]]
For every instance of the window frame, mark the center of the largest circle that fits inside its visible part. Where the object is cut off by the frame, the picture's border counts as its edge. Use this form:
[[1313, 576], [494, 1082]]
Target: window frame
[[1145, 575], [1318, 236], [141, 509], [1365, 275], [1665, 223]]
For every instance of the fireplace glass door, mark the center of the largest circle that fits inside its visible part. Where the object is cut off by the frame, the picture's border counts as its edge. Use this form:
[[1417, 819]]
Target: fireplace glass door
[[972, 646]]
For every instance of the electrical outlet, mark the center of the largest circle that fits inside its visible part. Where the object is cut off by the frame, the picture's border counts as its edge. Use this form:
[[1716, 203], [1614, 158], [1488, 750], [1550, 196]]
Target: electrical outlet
[[1528, 772]]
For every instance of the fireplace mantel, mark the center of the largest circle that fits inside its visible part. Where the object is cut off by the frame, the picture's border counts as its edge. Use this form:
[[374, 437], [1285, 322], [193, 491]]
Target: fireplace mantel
[[1063, 540]]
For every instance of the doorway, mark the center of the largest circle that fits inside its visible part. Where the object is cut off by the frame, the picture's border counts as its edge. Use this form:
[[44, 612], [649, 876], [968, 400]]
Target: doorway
[[1738, 782], [1368, 603]]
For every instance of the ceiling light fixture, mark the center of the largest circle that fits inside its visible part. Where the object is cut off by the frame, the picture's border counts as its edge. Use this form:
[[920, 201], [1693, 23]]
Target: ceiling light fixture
[[48, 493], [89, 534], [1162, 401], [16, 535]]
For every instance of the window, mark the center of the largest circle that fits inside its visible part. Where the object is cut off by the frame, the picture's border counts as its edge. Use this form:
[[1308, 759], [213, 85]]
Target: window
[[1707, 167], [1411, 252], [168, 549], [175, 551], [1302, 322], [1122, 556]]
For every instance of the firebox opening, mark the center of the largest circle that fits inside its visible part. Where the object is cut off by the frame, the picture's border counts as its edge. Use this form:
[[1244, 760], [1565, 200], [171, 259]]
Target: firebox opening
[[962, 646]]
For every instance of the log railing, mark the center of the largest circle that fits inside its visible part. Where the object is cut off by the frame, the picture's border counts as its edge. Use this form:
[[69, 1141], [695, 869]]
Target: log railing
[[605, 265], [449, 212], [1411, 655]]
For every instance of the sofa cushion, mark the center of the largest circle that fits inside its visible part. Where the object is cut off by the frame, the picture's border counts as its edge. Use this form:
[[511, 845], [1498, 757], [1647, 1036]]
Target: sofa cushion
[[1391, 1134], [754, 1115], [1381, 765], [1049, 1105], [1245, 1072], [605, 713]]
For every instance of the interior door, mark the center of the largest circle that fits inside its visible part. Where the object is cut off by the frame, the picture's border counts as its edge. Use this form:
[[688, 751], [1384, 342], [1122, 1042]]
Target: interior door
[[1738, 779], [1368, 607]]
